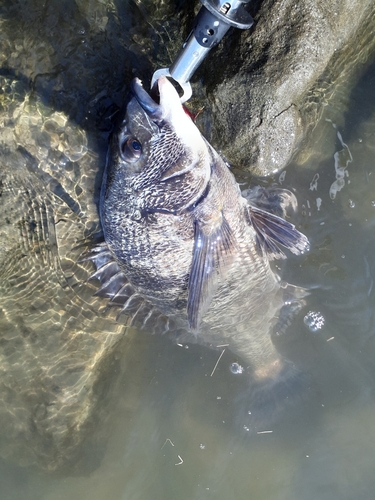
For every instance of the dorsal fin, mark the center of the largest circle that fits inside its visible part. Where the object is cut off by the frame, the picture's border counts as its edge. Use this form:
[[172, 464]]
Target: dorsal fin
[[133, 309]]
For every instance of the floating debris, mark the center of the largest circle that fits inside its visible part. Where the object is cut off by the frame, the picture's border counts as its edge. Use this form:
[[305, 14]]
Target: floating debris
[[217, 362], [314, 183], [166, 441]]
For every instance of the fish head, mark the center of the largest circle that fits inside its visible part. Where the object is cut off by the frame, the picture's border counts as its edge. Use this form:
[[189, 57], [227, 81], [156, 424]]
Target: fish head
[[158, 158]]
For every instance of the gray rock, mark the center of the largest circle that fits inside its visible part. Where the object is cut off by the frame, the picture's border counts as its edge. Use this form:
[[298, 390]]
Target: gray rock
[[267, 87]]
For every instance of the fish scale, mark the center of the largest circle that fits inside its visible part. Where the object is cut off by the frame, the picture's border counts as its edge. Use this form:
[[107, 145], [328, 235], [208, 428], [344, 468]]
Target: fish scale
[[198, 252]]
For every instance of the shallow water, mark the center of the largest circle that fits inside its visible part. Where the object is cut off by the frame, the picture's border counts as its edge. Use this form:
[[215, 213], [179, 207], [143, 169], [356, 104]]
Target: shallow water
[[169, 424]]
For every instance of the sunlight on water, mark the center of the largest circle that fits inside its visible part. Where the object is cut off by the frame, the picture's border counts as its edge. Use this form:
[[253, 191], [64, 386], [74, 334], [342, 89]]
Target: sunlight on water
[[90, 409]]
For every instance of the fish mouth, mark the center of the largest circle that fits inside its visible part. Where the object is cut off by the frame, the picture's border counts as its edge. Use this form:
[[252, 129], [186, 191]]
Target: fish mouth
[[163, 103], [149, 105]]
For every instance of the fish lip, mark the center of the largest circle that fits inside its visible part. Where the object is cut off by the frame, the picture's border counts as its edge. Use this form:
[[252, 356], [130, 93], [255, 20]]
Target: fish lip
[[148, 104]]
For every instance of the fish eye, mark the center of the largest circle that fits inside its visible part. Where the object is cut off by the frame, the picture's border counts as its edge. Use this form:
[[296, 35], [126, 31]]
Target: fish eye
[[131, 149]]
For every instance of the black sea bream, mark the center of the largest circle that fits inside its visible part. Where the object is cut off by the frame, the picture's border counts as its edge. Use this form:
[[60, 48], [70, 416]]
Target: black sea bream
[[182, 243]]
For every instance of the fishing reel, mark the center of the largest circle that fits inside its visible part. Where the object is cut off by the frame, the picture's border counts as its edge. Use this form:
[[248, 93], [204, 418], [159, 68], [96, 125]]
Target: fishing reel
[[214, 19]]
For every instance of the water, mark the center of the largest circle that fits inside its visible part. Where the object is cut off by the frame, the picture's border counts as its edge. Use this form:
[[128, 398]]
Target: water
[[166, 421]]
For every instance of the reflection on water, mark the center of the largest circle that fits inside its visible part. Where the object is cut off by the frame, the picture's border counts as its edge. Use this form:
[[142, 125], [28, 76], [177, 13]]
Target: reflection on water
[[149, 419]]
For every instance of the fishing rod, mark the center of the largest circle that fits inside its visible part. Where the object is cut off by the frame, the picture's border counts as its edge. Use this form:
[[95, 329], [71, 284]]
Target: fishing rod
[[213, 20]]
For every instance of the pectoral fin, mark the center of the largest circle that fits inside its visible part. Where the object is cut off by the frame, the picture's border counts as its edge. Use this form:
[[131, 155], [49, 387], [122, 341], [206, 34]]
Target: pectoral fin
[[272, 231], [213, 250]]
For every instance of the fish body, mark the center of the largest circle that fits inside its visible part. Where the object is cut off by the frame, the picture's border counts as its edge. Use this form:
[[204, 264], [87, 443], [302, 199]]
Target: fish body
[[187, 241]]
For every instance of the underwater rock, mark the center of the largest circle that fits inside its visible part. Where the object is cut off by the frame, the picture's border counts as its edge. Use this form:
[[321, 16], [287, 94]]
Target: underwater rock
[[56, 346]]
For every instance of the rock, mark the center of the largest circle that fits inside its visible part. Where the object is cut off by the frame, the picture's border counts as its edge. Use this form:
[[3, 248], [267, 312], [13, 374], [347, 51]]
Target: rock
[[273, 80], [57, 357]]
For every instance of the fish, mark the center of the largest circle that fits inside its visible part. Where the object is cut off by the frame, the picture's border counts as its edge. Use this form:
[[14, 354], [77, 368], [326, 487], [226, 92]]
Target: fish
[[184, 251]]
